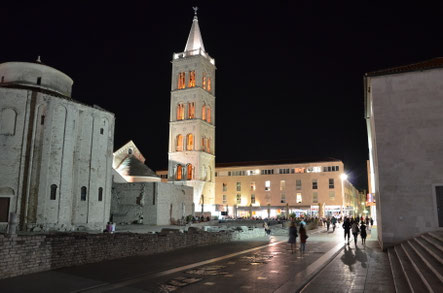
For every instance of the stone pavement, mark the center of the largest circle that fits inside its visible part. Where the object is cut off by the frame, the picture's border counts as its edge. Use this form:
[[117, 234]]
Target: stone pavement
[[241, 266]]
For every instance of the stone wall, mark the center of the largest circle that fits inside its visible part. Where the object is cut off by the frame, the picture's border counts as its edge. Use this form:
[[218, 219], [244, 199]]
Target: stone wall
[[21, 255]]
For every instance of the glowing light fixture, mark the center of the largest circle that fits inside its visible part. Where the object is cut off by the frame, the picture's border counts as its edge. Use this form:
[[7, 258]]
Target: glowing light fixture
[[343, 176]]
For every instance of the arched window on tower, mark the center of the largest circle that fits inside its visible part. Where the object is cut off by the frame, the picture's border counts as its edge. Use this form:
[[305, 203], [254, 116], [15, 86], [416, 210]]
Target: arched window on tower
[[209, 84], [180, 112], [204, 81], [179, 143], [189, 172], [8, 118], [191, 110], [204, 112], [181, 80], [53, 195], [189, 142], [203, 146], [208, 114], [191, 79], [208, 145], [179, 173], [83, 193]]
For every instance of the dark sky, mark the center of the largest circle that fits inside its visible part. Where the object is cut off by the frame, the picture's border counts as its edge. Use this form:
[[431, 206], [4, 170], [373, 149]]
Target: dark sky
[[289, 80]]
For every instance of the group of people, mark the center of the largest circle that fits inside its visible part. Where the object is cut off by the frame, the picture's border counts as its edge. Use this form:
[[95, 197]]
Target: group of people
[[352, 225], [293, 237]]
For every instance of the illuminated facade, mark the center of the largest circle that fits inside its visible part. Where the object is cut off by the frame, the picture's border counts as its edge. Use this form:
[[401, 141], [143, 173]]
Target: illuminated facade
[[191, 151], [270, 189]]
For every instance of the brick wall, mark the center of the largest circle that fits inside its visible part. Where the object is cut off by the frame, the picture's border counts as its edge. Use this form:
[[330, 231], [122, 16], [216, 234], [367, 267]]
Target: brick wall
[[26, 254]]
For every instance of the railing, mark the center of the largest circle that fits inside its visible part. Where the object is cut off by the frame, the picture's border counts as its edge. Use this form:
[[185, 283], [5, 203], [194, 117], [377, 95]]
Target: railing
[[193, 53]]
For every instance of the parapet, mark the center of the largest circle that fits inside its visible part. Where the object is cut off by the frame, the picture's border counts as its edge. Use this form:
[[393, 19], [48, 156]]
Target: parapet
[[35, 76]]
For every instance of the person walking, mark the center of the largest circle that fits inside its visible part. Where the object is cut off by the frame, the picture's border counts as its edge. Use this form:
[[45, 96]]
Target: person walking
[[347, 227], [303, 237], [372, 222], [355, 230], [333, 221], [363, 233], [328, 223], [267, 229], [293, 236]]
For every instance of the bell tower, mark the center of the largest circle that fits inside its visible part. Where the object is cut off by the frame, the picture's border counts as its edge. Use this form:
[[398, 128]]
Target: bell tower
[[191, 151]]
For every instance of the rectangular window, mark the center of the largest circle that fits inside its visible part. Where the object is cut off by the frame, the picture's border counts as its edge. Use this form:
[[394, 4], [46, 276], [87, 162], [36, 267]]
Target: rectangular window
[[4, 209], [332, 194], [283, 198], [252, 186], [238, 198], [267, 185], [83, 193], [225, 187], [282, 185], [42, 120], [224, 199], [314, 184], [252, 198], [238, 186], [299, 170], [331, 183], [298, 184], [101, 130], [299, 198], [336, 168], [315, 197]]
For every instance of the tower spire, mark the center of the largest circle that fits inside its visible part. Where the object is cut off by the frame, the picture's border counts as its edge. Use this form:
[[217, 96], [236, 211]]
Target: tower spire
[[195, 41]]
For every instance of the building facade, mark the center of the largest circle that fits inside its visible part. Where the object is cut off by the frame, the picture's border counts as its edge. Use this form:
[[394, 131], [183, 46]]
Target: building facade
[[404, 107], [191, 152], [56, 153]]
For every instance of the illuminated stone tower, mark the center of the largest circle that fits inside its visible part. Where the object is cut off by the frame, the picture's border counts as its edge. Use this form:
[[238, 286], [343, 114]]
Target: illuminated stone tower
[[192, 120]]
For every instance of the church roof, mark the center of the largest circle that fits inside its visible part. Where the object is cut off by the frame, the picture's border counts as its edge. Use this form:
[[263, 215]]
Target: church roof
[[424, 65], [131, 166], [195, 41]]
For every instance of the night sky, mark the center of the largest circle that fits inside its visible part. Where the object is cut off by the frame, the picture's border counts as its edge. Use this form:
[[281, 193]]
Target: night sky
[[289, 80]]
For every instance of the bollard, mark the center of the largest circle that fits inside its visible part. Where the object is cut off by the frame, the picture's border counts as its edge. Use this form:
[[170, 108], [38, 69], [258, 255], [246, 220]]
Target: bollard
[[12, 224]]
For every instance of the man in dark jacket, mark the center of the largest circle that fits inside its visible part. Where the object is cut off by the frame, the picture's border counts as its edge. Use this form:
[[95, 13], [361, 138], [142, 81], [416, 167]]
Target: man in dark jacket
[[347, 228]]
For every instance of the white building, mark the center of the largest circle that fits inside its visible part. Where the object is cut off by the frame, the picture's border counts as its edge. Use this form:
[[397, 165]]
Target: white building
[[56, 153], [192, 121], [404, 114]]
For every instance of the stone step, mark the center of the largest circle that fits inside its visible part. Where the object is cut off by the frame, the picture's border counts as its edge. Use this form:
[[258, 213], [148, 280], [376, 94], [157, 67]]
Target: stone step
[[435, 242], [434, 264], [415, 282], [431, 281], [400, 282], [437, 235], [436, 254]]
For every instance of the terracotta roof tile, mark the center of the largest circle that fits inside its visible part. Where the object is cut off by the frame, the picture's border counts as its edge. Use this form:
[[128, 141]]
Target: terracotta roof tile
[[424, 65]]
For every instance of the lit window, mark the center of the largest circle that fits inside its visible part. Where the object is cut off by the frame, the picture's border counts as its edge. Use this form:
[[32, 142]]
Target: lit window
[[331, 183], [208, 145], [282, 184], [208, 114], [179, 144], [225, 187], [238, 198], [191, 110], [315, 197], [209, 84], [180, 112], [179, 174], [238, 186], [204, 81], [252, 186], [204, 112], [299, 198], [299, 170], [191, 79], [83, 193], [189, 172], [298, 184], [189, 142], [203, 143], [314, 170], [252, 198], [267, 185], [314, 184], [181, 80], [224, 199], [53, 192], [332, 194]]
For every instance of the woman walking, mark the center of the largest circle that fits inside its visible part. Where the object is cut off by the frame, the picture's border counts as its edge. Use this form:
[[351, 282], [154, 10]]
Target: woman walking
[[355, 230], [303, 237], [292, 236], [363, 233]]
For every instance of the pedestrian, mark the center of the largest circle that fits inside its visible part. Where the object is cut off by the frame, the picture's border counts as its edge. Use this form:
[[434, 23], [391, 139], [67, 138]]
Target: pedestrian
[[303, 237], [333, 221], [267, 229], [372, 222], [328, 223], [355, 231], [292, 236], [363, 233], [347, 227]]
